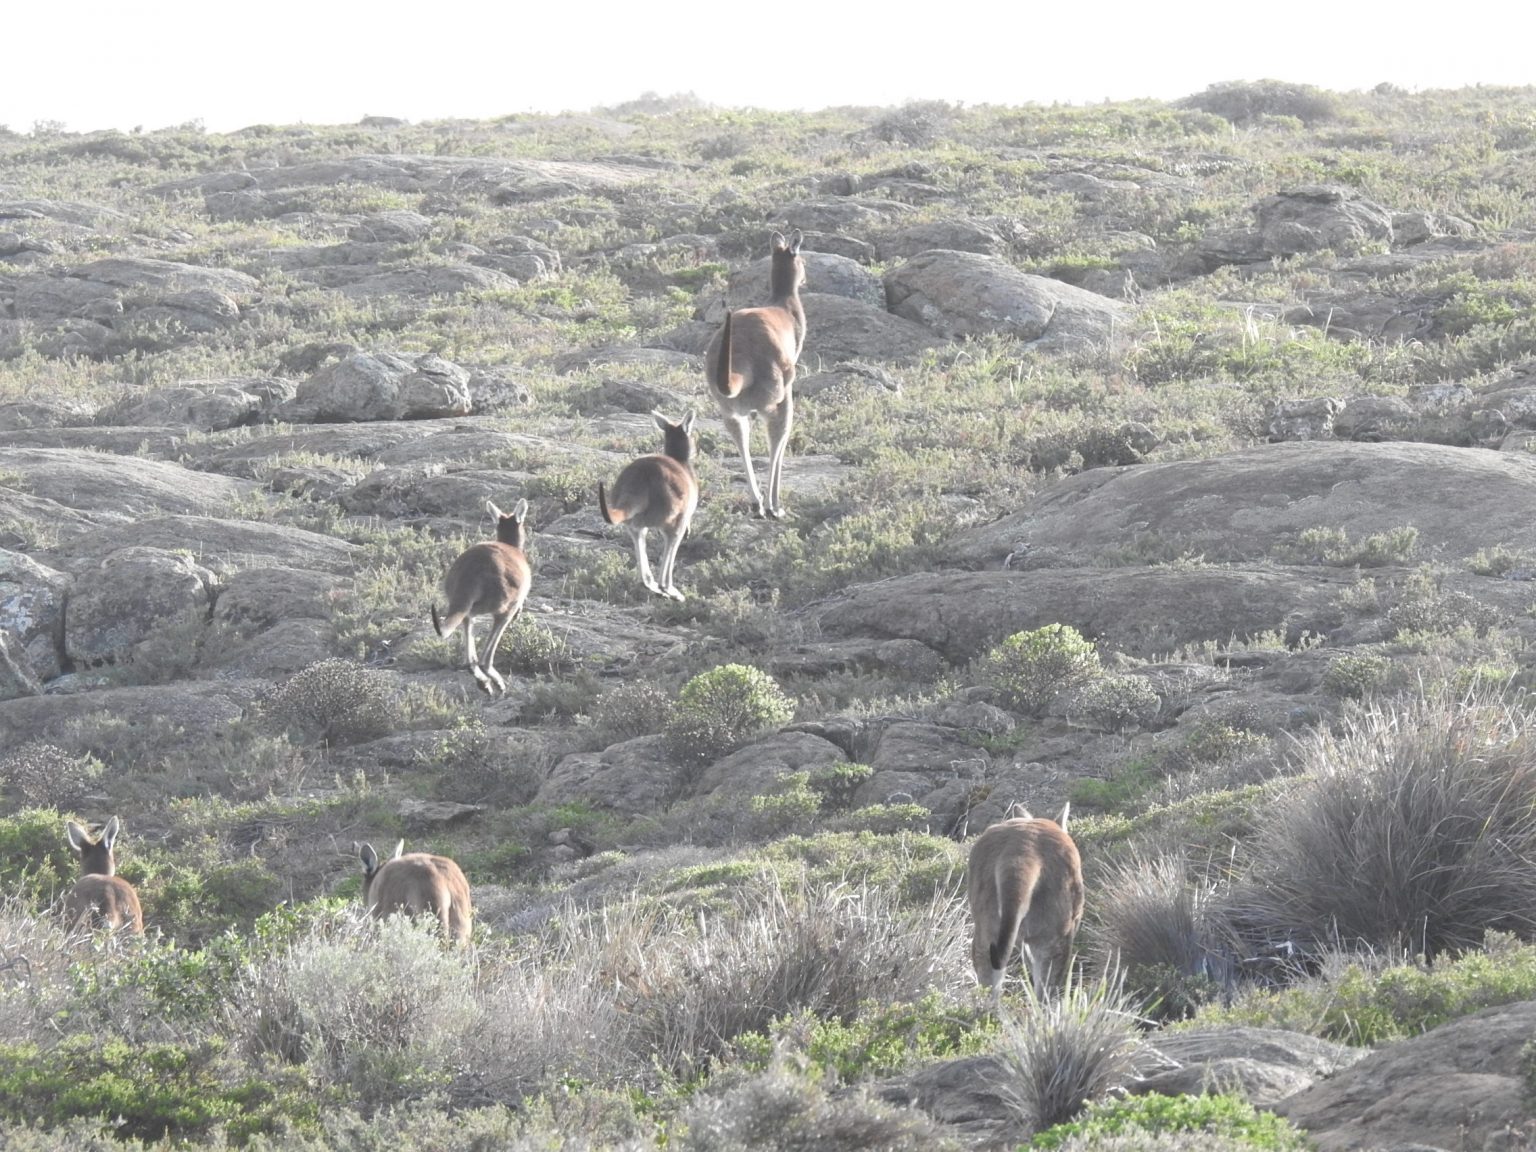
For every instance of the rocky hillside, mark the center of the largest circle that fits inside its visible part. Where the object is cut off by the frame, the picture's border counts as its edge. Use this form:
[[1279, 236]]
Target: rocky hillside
[[1241, 389]]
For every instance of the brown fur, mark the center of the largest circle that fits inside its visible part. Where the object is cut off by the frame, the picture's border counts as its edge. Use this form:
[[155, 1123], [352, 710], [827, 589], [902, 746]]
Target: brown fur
[[1025, 883], [100, 896], [658, 491], [489, 579], [751, 369], [418, 883]]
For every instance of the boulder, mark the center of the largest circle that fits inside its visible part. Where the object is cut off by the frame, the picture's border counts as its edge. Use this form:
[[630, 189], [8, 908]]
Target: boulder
[[626, 356], [209, 405], [631, 778], [839, 329], [753, 770], [17, 676], [1262, 1065], [1145, 612], [1305, 219], [393, 227], [118, 487], [222, 546], [256, 598], [129, 597], [381, 386], [32, 603], [1249, 503], [949, 235], [427, 282], [825, 275], [842, 214], [959, 294], [1309, 419], [194, 712], [1457, 1086], [21, 414]]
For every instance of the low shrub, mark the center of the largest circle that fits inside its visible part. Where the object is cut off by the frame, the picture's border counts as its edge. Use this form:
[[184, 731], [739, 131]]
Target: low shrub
[[1117, 703], [336, 701], [1244, 102], [1030, 669], [39, 775], [1352, 675], [724, 707], [1134, 1124]]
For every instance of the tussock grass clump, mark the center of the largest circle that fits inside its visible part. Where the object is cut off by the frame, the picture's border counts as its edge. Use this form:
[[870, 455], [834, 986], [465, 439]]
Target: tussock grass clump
[[1413, 828], [1164, 928], [1069, 1050], [1030, 669], [336, 701], [724, 707], [1246, 101]]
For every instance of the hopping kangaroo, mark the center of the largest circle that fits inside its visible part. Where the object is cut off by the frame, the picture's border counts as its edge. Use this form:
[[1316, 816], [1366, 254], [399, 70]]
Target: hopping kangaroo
[[489, 579], [751, 368], [1025, 881], [657, 491], [100, 896], [417, 883]]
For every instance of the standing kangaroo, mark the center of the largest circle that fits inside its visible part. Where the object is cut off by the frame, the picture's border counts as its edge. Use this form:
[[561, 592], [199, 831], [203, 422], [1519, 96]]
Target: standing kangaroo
[[657, 491], [489, 579], [751, 368], [1025, 881], [417, 883], [100, 896]]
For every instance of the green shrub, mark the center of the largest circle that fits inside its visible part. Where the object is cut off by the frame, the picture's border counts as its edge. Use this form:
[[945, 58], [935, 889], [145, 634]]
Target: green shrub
[[1503, 562], [836, 783], [1030, 669], [1424, 607], [1246, 101], [1370, 1002], [1352, 675], [1231, 1121], [724, 707], [634, 708], [1333, 546], [336, 701], [531, 649], [35, 860], [149, 1091]]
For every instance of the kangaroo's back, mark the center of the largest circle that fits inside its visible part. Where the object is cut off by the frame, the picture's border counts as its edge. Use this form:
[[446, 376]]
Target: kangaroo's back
[[487, 579], [420, 883], [110, 901]]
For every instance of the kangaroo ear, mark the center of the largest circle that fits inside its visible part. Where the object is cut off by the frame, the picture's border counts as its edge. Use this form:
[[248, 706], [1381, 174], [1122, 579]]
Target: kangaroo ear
[[660, 421], [79, 839], [109, 834], [399, 848], [1065, 809], [779, 243], [520, 513], [368, 856], [497, 513], [688, 421], [796, 239]]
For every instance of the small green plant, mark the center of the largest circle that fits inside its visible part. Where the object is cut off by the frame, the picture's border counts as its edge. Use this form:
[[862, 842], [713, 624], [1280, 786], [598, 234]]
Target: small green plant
[[1333, 546], [724, 707], [1235, 1123], [1030, 669], [532, 649], [1353, 675], [45, 775], [634, 708], [1504, 563], [1424, 608]]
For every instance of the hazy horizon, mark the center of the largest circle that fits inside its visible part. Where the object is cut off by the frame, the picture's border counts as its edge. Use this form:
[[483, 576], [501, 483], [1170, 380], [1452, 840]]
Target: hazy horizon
[[316, 64]]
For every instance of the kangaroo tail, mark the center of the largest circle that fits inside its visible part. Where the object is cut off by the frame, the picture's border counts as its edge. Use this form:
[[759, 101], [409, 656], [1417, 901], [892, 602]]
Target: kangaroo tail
[[611, 515], [726, 383], [1013, 900]]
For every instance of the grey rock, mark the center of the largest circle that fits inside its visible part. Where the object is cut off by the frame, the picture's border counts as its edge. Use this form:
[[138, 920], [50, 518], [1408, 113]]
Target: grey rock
[[622, 356], [958, 294], [119, 487], [32, 602], [195, 712], [1375, 418], [631, 778], [753, 770], [17, 676], [839, 329], [22, 414], [394, 227], [381, 386], [825, 275], [1309, 419], [209, 406], [433, 280], [840, 215], [1262, 1065], [950, 235], [133, 594]]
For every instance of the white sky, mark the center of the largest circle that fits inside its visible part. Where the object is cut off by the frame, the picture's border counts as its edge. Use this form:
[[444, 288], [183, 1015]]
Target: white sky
[[98, 64]]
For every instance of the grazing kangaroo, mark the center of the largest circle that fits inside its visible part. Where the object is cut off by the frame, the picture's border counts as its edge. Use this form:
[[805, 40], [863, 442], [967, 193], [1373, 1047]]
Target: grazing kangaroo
[[751, 368], [489, 579], [100, 896], [1025, 880], [657, 491], [417, 883]]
